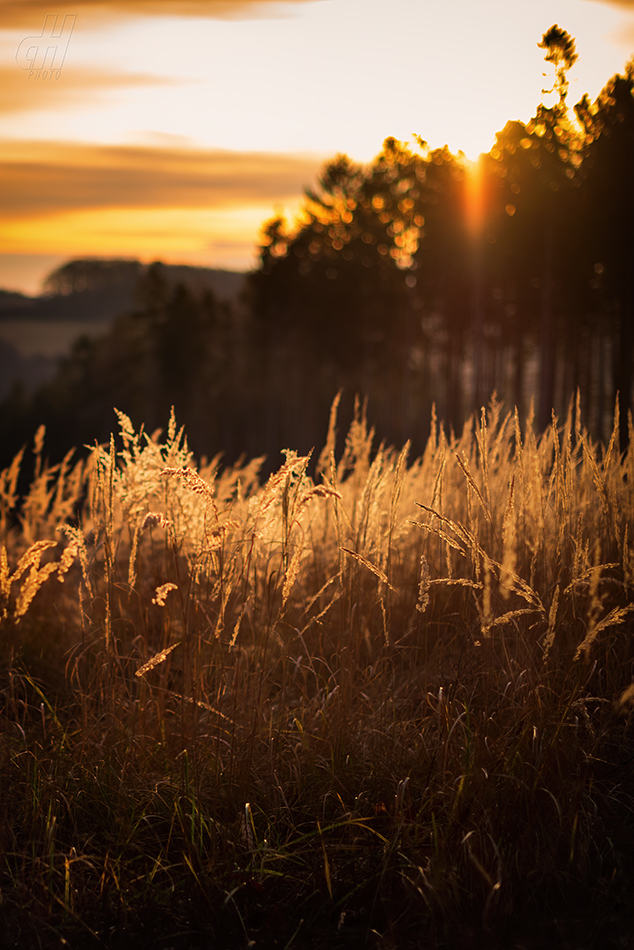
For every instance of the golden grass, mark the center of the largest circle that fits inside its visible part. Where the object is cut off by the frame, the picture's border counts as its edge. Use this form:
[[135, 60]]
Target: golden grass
[[382, 698]]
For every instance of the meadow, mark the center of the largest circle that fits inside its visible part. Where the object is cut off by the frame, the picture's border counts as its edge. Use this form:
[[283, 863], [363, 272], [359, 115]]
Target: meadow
[[369, 700]]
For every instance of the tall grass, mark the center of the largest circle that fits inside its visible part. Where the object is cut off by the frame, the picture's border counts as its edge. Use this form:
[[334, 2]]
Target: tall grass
[[389, 704]]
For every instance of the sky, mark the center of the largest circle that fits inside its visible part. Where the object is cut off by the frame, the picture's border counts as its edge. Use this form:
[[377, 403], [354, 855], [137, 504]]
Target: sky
[[173, 129]]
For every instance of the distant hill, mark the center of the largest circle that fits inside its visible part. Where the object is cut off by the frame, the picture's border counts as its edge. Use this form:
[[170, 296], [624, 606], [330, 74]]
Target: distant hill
[[94, 290], [84, 297], [13, 301]]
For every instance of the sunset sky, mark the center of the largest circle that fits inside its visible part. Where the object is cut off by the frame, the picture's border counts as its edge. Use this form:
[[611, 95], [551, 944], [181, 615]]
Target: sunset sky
[[174, 129]]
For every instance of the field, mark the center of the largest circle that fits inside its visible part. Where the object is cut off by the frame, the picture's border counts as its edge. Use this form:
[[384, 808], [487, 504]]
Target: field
[[369, 701]]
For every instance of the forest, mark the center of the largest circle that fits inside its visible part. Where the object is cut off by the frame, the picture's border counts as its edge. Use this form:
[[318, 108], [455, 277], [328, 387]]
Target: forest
[[420, 280]]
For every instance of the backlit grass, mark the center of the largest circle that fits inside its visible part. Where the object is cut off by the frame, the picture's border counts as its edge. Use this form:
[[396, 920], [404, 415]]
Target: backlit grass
[[387, 705]]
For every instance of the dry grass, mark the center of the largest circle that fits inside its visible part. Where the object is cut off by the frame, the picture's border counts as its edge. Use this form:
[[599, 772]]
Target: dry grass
[[389, 705]]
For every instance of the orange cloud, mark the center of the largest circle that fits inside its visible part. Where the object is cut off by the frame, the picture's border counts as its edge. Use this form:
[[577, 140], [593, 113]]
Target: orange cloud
[[44, 179], [27, 13], [74, 86], [179, 204]]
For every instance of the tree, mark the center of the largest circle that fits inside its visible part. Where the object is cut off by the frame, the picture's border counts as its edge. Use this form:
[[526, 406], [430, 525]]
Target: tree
[[557, 137], [91, 274], [173, 349], [560, 51], [331, 301], [609, 207]]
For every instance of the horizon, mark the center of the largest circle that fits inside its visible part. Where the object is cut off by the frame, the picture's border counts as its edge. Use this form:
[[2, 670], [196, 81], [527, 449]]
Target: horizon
[[67, 260]]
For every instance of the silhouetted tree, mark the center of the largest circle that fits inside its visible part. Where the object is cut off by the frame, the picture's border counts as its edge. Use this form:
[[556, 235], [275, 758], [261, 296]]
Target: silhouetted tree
[[174, 349], [609, 211], [90, 274], [331, 305]]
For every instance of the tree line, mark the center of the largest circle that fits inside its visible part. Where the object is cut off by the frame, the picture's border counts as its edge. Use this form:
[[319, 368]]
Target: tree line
[[422, 279]]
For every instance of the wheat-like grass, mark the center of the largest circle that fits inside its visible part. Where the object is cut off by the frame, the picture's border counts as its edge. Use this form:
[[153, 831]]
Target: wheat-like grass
[[399, 689]]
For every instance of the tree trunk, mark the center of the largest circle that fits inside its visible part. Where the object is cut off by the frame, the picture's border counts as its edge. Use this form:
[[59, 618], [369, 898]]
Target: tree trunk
[[547, 336], [624, 358]]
